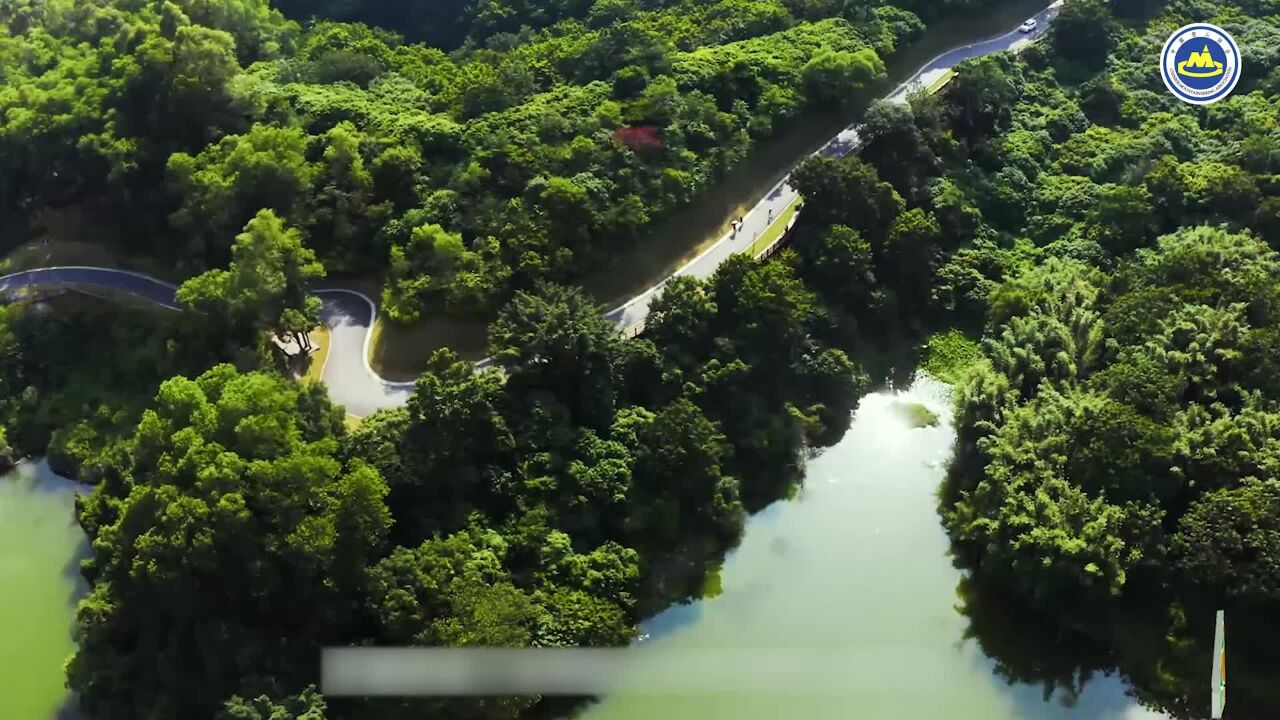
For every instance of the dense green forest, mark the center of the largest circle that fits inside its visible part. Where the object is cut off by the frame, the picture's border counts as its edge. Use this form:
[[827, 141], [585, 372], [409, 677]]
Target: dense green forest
[[459, 176], [550, 501], [251, 150], [1104, 255], [478, 23], [554, 499], [1115, 250]]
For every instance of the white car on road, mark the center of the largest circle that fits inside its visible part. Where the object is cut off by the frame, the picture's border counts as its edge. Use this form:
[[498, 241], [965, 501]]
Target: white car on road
[[1027, 26]]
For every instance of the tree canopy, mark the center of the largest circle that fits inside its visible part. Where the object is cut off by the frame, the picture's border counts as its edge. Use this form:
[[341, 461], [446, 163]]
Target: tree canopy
[[548, 137], [555, 498], [1104, 257], [1109, 251]]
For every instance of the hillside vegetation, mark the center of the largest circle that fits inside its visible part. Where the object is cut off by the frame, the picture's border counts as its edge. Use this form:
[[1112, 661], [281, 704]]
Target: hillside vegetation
[[1118, 462], [580, 484], [460, 177]]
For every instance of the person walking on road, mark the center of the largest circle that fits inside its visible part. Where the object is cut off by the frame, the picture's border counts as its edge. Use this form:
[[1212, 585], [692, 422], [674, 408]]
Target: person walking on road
[[770, 214]]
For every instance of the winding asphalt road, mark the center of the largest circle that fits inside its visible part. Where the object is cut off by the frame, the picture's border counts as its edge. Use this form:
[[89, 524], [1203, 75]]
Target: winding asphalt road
[[350, 315], [781, 195]]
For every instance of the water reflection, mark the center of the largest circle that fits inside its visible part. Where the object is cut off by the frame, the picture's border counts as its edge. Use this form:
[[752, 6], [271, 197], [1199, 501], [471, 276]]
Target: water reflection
[[41, 547], [853, 581], [1045, 664], [1023, 649]]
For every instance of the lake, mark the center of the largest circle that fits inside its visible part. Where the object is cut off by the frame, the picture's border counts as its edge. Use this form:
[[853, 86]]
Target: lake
[[850, 588], [41, 546]]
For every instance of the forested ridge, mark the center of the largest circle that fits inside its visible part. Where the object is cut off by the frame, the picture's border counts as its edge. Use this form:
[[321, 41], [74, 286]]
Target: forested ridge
[[1112, 254], [462, 176]]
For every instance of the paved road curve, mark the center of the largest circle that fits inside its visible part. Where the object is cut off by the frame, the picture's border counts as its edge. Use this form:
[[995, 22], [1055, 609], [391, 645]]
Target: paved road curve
[[349, 315], [143, 286], [350, 379]]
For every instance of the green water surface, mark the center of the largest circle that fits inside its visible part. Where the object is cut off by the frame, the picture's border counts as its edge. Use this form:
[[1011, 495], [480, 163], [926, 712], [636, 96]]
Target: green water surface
[[843, 604], [40, 549]]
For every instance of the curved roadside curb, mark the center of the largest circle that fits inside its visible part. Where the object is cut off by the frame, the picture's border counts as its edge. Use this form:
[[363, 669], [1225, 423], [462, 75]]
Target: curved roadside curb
[[368, 338], [49, 276], [164, 296], [959, 48], [94, 269]]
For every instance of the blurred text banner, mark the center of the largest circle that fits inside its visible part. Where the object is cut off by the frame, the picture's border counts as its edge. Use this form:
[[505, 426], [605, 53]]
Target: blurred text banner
[[423, 672]]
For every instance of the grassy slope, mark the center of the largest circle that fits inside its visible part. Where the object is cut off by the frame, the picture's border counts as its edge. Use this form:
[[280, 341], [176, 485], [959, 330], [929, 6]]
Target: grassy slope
[[315, 361]]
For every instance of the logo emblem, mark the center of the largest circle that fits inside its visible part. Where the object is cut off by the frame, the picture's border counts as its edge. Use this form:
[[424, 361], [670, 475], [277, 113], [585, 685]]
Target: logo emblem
[[1200, 63]]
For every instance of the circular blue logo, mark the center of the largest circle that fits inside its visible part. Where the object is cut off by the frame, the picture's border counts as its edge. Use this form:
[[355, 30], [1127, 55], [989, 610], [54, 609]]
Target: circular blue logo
[[1200, 63]]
